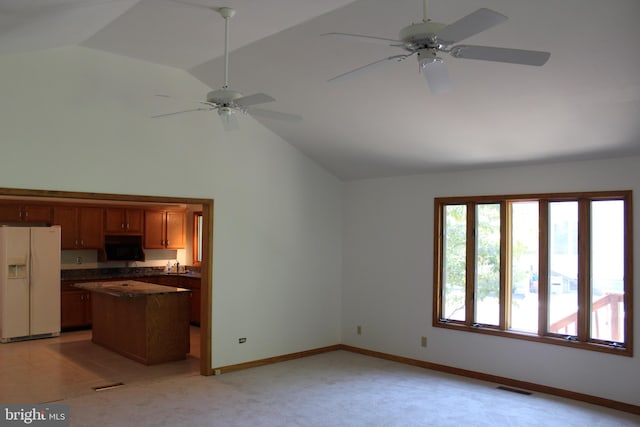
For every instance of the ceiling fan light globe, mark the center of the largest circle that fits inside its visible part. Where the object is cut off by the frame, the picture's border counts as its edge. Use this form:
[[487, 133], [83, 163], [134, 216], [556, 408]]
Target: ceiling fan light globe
[[427, 56], [434, 71], [225, 112]]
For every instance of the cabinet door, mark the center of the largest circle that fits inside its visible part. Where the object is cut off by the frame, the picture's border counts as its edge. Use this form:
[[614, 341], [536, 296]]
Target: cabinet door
[[10, 212], [175, 229], [154, 230], [195, 306], [90, 230], [67, 218], [87, 309], [134, 220], [36, 213], [17, 212], [114, 220], [73, 309], [123, 221]]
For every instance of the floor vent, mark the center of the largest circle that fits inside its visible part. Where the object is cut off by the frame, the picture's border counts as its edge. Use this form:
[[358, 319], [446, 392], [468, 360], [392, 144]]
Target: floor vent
[[514, 390], [108, 386]]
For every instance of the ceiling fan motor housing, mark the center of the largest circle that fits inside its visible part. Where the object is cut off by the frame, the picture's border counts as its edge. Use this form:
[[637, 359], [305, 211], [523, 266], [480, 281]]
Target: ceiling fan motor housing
[[421, 35], [223, 96]]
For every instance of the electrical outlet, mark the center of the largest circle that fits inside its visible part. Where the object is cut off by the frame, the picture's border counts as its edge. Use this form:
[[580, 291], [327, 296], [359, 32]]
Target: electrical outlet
[[242, 340], [423, 341], [359, 330], [217, 372]]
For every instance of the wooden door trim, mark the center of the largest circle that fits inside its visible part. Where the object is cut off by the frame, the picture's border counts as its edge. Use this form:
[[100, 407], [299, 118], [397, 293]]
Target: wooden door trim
[[207, 245]]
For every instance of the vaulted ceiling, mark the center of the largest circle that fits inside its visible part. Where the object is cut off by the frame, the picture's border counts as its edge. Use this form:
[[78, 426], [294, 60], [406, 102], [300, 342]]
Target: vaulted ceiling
[[583, 104]]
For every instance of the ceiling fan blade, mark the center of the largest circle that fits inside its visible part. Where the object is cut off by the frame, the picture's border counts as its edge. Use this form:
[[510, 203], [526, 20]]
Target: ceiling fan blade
[[270, 114], [180, 112], [436, 75], [257, 98], [229, 120], [500, 54], [472, 24], [368, 67], [370, 39], [210, 104]]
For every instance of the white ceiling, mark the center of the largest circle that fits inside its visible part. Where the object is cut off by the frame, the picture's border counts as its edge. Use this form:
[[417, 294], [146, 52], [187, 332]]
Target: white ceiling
[[584, 103]]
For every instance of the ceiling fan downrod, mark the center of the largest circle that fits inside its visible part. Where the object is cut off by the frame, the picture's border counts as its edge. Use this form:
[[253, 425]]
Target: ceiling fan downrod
[[226, 13]]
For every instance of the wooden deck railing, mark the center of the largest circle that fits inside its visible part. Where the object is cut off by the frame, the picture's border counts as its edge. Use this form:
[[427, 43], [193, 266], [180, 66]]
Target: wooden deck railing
[[562, 326]]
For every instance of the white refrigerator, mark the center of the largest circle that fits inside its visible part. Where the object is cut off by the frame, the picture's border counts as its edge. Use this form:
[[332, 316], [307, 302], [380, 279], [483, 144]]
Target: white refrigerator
[[29, 282]]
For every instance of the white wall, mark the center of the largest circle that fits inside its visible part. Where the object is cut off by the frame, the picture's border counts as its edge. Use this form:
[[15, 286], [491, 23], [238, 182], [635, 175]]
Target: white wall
[[388, 277], [74, 119]]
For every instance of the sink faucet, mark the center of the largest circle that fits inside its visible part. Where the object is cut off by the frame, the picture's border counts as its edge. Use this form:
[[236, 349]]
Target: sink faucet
[[177, 267]]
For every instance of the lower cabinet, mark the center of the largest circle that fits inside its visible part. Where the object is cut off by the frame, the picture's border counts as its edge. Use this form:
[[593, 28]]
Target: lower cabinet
[[75, 309], [75, 303], [186, 282], [195, 306], [192, 283]]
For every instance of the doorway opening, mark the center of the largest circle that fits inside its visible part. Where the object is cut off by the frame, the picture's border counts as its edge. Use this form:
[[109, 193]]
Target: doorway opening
[[206, 249]]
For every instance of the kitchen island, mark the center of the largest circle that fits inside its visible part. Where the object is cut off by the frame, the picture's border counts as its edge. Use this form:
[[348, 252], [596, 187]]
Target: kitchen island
[[146, 322]]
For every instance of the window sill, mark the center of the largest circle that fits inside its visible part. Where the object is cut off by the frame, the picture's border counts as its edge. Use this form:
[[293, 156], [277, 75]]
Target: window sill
[[549, 339]]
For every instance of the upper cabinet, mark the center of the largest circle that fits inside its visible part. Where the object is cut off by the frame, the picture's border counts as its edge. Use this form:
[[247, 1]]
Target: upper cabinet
[[164, 229], [81, 226], [19, 212], [123, 221]]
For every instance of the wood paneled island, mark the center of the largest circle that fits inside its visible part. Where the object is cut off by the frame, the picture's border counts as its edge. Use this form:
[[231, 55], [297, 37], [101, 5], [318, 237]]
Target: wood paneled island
[[146, 322]]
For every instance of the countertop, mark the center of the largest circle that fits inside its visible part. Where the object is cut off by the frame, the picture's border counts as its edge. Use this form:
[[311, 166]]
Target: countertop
[[129, 288], [121, 273]]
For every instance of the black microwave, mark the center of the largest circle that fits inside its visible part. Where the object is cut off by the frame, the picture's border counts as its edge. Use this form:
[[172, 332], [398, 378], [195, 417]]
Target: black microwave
[[123, 248]]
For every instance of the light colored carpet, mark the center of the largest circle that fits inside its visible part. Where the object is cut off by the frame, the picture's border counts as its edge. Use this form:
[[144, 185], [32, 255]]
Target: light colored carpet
[[332, 389]]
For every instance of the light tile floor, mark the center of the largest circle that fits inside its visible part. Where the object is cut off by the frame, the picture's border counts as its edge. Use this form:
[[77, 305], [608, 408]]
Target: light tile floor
[[50, 369]]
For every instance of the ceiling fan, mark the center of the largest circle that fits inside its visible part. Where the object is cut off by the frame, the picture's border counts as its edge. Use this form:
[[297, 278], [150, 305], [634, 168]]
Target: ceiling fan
[[228, 102], [426, 39]]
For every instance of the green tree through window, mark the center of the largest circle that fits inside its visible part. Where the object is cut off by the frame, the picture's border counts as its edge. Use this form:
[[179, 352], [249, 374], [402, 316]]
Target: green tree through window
[[513, 266]]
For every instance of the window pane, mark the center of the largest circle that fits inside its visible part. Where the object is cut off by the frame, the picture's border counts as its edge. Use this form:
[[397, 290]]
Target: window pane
[[454, 262], [563, 267], [607, 270], [199, 237], [524, 266], [487, 292]]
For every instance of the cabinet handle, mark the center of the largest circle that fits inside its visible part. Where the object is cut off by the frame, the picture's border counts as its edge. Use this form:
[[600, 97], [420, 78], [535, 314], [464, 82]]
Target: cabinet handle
[[26, 214], [76, 243], [122, 226], [82, 243], [127, 226]]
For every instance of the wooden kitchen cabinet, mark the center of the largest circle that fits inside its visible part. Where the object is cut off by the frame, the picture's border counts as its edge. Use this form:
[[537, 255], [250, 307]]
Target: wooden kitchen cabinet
[[13, 212], [75, 309], [123, 221], [181, 281], [164, 229], [195, 306], [81, 226]]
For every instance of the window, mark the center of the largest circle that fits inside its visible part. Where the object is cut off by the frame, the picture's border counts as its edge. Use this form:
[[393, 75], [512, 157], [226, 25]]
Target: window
[[197, 238], [554, 268]]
